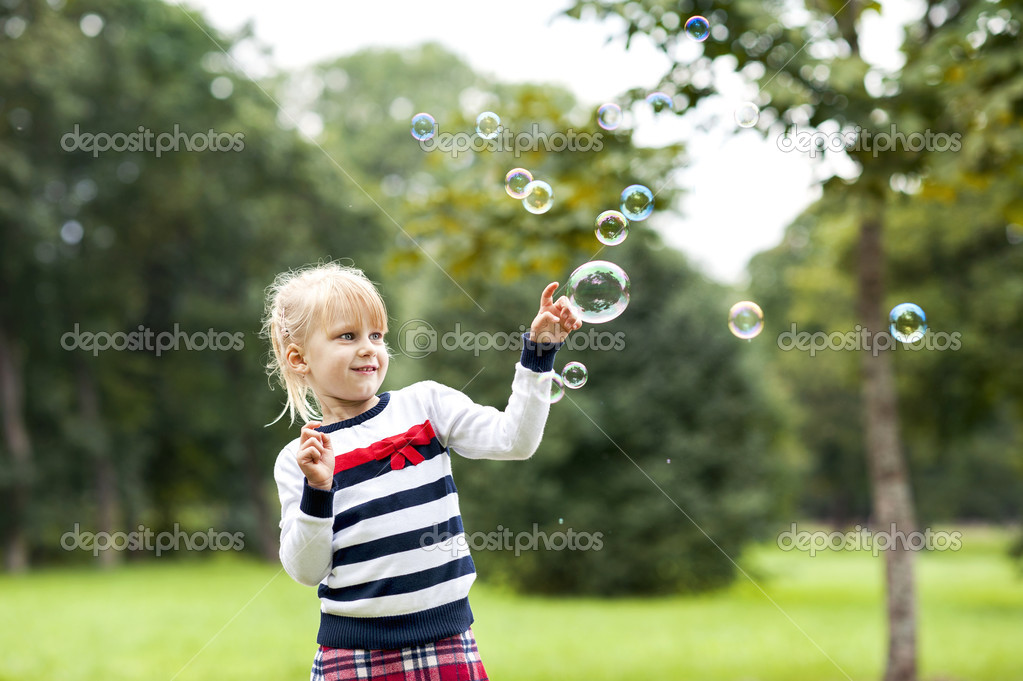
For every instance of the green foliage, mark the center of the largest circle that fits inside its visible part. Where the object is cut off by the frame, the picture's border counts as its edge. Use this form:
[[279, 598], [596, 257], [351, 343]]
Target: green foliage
[[945, 212], [180, 242], [189, 240]]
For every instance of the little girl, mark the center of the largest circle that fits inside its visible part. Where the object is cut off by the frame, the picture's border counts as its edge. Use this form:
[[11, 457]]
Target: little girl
[[366, 489]]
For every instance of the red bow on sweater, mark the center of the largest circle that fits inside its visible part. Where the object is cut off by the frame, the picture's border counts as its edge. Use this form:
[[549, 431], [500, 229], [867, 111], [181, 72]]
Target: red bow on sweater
[[399, 447]]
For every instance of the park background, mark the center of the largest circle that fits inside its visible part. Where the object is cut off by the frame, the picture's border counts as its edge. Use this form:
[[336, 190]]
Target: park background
[[689, 450]]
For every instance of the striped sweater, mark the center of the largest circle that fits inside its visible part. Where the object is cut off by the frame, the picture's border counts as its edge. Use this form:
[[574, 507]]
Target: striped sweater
[[386, 544]]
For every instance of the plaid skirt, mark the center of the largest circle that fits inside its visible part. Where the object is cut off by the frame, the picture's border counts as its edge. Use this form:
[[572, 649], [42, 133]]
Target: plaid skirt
[[449, 659]]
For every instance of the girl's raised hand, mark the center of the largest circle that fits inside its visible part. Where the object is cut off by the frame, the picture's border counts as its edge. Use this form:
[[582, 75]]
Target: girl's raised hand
[[316, 457], [555, 320]]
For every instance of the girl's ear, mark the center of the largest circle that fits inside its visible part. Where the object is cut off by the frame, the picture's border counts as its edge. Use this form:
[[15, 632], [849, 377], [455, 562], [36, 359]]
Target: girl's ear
[[294, 359]]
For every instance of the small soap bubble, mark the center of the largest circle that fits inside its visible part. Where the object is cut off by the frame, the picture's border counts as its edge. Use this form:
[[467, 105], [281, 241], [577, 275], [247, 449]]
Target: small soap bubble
[[557, 389], [697, 28], [574, 375], [747, 114], [515, 182], [423, 126], [611, 228], [907, 322], [539, 197], [488, 124], [745, 320], [561, 521], [609, 116], [598, 291], [659, 102], [637, 202], [669, 460]]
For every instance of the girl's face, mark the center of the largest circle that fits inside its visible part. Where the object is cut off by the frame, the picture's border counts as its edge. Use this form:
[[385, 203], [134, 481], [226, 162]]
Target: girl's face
[[346, 364]]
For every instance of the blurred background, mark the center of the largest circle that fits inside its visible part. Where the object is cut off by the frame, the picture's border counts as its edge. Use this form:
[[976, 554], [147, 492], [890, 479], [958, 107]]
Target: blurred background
[[690, 451]]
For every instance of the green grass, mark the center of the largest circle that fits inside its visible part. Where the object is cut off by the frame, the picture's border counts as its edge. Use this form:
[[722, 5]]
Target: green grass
[[800, 618]]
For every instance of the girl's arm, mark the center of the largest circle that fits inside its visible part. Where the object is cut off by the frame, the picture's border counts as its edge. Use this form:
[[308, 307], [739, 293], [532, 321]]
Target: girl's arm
[[482, 432], [307, 518], [478, 432]]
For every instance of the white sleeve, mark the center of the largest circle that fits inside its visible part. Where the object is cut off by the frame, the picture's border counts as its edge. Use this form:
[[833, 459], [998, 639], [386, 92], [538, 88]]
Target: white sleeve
[[307, 522], [479, 432]]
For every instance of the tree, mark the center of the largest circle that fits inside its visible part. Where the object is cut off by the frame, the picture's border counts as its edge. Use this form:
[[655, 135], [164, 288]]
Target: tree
[[122, 242], [810, 72]]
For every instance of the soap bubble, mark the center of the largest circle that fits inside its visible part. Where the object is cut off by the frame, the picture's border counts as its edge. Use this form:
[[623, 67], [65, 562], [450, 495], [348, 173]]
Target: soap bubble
[[598, 291], [488, 124], [539, 197], [423, 126], [747, 114], [611, 228], [697, 28], [574, 375], [637, 202], [907, 322], [557, 389], [745, 320], [609, 116], [515, 182], [659, 101]]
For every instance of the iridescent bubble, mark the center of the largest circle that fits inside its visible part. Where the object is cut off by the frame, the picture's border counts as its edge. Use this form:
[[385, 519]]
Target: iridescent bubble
[[598, 291], [611, 228], [637, 202], [423, 126], [609, 116], [488, 124], [659, 101], [515, 182], [745, 320], [907, 322], [557, 388], [747, 114], [697, 28], [539, 197], [574, 375]]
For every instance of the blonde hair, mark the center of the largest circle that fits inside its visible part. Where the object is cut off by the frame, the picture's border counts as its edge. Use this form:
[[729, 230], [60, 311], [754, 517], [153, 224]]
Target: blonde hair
[[297, 303]]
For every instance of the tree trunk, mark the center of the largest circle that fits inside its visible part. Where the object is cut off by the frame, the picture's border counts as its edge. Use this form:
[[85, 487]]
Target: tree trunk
[[255, 477], [266, 526], [892, 499], [18, 443], [105, 480]]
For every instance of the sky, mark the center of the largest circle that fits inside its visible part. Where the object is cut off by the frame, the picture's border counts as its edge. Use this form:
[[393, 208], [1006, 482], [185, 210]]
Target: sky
[[740, 190]]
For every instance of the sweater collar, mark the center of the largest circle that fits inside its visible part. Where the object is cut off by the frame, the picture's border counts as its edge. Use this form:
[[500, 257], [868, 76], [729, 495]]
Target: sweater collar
[[356, 420]]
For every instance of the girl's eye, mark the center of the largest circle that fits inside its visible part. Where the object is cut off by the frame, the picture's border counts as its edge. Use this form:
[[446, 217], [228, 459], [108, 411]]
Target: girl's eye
[[347, 336], [377, 336]]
